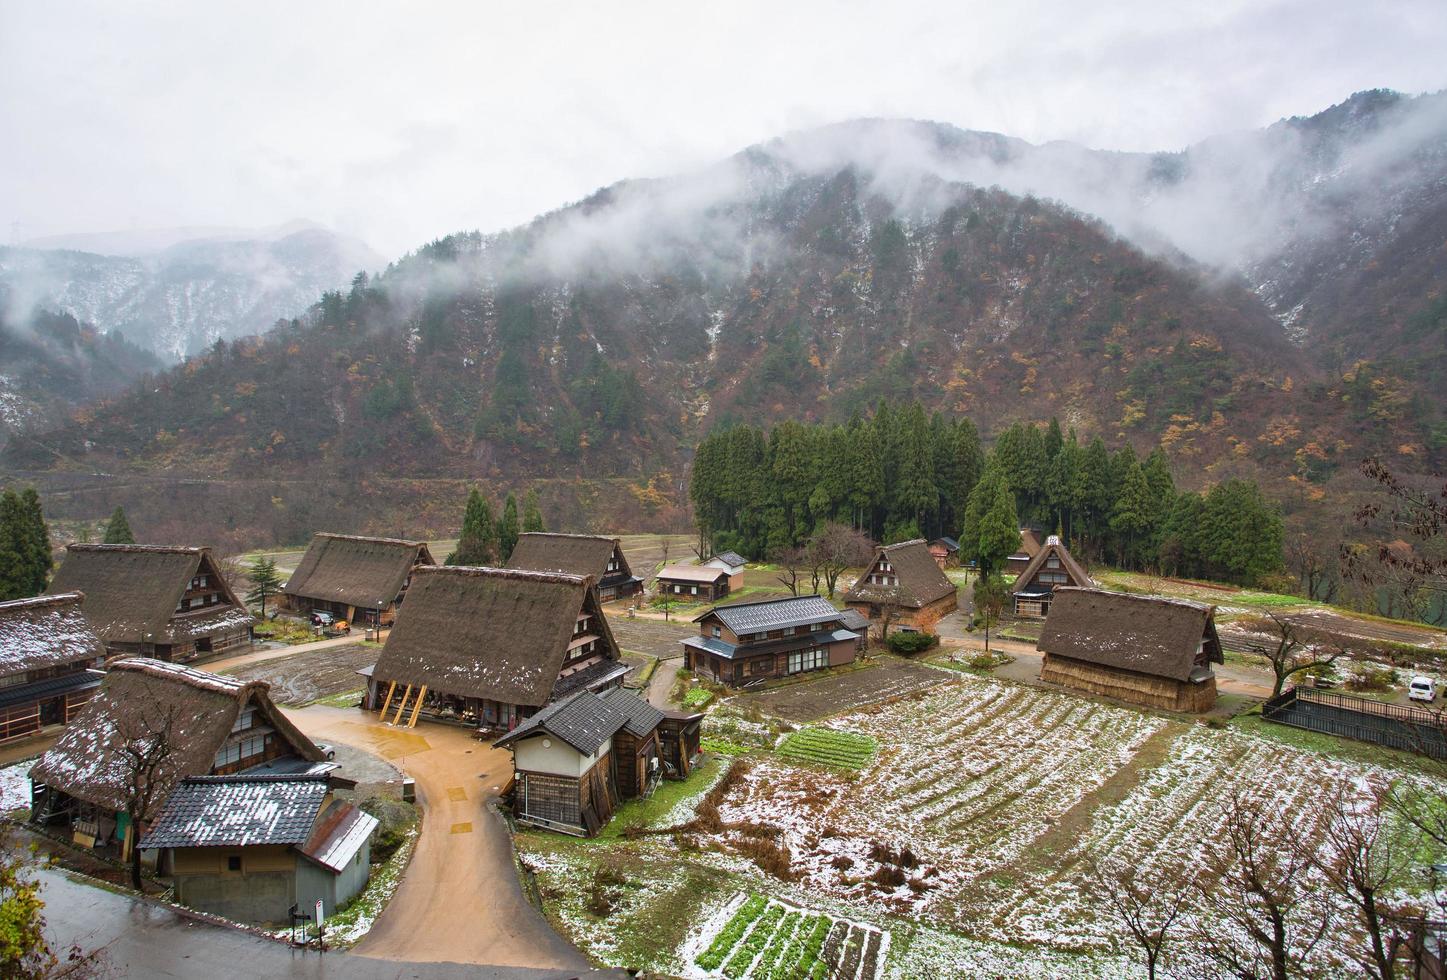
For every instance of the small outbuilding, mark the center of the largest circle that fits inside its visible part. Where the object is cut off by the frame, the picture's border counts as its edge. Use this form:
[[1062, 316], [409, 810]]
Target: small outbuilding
[[579, 554], [576, 759], [1029, 547], [357, 579], [154, 601], [903, 587], [731, 562], [945, 551], [701, 583], [49, 657], [1051, 568], [252, 847], [1147, 650]]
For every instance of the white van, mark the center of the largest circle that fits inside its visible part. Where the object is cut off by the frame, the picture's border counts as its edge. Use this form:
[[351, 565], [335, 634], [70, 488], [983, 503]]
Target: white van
[[1422, 689]]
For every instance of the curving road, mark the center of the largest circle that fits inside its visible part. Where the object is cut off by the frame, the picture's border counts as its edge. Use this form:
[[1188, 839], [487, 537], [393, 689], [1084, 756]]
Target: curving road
[[460, 900]]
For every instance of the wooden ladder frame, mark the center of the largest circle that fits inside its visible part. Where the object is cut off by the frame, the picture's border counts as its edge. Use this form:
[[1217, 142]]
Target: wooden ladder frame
[[403, 706], [417, 707], [390, 691]]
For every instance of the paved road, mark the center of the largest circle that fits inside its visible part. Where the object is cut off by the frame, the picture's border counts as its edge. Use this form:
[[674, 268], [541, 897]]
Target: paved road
[[460, 900], [144, 938], [661, 683]]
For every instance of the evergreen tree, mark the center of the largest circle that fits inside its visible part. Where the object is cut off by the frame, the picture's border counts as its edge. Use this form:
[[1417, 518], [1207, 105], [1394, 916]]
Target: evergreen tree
[[915, 495], [118, 529], [532, 514], [1062, 484], [999, 530], [507, 529], [265, 581], [1053, 440], [36, 541], [865, 459], [1092, 501], [970, 458], [1133, 515], [16, 575], [1157, 471], [477, 543]]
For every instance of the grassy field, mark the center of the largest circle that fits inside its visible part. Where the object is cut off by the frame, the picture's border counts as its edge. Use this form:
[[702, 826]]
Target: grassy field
[[962, 843]]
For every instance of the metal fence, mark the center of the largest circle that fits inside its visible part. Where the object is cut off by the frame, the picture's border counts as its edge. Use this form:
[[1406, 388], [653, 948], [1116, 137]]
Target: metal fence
[[1411, 729]]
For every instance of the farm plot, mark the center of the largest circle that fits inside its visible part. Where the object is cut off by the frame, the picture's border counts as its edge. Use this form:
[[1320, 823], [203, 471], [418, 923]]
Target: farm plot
[[811, 700], [829, 746], [313, 675], [649, 636], [769, 939], [967, 779]]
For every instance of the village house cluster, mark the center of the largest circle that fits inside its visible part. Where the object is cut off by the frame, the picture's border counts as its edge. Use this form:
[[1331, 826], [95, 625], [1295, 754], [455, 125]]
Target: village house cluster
[[204, 778]]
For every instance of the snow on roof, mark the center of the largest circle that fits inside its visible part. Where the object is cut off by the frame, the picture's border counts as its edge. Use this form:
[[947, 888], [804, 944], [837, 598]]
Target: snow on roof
[[237, 811], [44, 632]]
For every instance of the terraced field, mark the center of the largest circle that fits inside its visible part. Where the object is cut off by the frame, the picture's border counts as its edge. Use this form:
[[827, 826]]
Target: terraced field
[[767, 939], [829, 746]]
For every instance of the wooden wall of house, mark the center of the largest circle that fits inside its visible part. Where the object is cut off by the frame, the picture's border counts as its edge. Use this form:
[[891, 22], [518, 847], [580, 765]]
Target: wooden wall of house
[[1130, 686]]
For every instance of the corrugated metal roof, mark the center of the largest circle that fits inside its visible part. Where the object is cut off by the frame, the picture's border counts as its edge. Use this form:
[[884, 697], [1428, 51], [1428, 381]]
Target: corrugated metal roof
[[691, 573], [337, 838]]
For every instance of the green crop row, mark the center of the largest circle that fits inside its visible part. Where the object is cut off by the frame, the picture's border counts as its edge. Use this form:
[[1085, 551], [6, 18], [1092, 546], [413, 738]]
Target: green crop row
[[777, 945], [844, 749], [731, 933], [801, 959], [738, 963]]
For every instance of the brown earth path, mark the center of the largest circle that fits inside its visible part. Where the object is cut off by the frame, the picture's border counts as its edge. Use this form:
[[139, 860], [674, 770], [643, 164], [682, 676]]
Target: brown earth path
[[460, 900]]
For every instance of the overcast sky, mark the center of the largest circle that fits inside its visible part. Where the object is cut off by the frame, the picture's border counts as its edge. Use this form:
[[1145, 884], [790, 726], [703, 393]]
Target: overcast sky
[[403, 124]]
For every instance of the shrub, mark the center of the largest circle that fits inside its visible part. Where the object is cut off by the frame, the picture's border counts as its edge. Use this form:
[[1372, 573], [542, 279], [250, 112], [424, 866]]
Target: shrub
[[982, 661], [771, 857], [697, 697], [1370, 678], [395, 819], [910, 643]]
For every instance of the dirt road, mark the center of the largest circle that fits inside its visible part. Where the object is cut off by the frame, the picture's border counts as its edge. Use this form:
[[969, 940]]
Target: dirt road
[[460, 900], [261, 656]]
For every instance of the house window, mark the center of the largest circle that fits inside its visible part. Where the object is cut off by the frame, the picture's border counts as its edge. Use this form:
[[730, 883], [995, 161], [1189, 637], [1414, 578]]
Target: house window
[[788, 631], [717, 631], [233, 862], [693, 590], [244, 720], [811, 659], [1052, 563]]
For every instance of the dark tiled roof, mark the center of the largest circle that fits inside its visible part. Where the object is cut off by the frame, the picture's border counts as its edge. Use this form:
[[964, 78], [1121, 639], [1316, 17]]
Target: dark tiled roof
[[140, 697], [358, 571], [709, 644], [772, 614], [1146, 634], [237, 811], [131, 591], [575, 554], [585, 721], [45, 632], [642, 716], [731, 558], [591, 676], [493, 633], [854, 620], [950, 543], [920, 579], [49, 687]]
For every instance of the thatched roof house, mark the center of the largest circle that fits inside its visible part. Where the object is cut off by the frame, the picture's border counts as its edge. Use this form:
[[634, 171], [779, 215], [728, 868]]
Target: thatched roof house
[[347, 575], [210, 725], [579, 554], [1029, 547], [492, 645], [47, 650], [903, 582], [1052, 568], [168, 603], [1145, 649]]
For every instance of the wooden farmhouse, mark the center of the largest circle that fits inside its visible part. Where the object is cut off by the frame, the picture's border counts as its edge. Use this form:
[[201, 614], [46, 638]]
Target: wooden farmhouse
[[579, 554], [357, 579], [151, 725], [167, 603], [904, 585], [576, 759], [749, 642], [48, 660], [702, 583], [731, 562], [945, 551], [252, 847], [491, 646], [1029, 547], [1050, 569], [1147, 650]]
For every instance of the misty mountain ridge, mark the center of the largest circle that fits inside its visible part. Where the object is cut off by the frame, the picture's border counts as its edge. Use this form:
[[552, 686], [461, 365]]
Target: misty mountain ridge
[[812, 275], [178, 295]]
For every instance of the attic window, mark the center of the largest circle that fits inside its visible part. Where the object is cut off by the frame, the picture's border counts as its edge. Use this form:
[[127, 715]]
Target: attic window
[[717, 631]]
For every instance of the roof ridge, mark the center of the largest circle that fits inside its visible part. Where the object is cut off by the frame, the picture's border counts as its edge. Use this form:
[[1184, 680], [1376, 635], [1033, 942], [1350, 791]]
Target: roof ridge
[[36, 602], [262, 777], [201, 679], [1141, 597], [161, 549], [568, 534], [902, 544], [765, 602], [367, 537], [487, 571]]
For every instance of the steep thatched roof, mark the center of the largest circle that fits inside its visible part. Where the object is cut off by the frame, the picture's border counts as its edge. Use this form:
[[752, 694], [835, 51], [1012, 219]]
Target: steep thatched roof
[[920, 579], [44, 632], [143, 697], [1029, 544], [1054, 548], [1147, 634], [364, 572], [573, 554], [132, 590], [493, 633]]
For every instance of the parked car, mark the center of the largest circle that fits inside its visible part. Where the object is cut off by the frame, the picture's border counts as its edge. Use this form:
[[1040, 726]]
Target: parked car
[[321, 618], [1422, 689], [329, 752]]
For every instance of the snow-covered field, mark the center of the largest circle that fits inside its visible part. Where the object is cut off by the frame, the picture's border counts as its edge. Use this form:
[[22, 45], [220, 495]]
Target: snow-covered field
[[15, 787]]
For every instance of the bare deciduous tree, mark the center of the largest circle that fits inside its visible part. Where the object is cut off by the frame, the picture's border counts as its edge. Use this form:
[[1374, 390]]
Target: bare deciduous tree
[[835, 548], [1364, 857], [1256, 882], [1150, 907], [1293, 654], [150, 740], [792, 563]]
